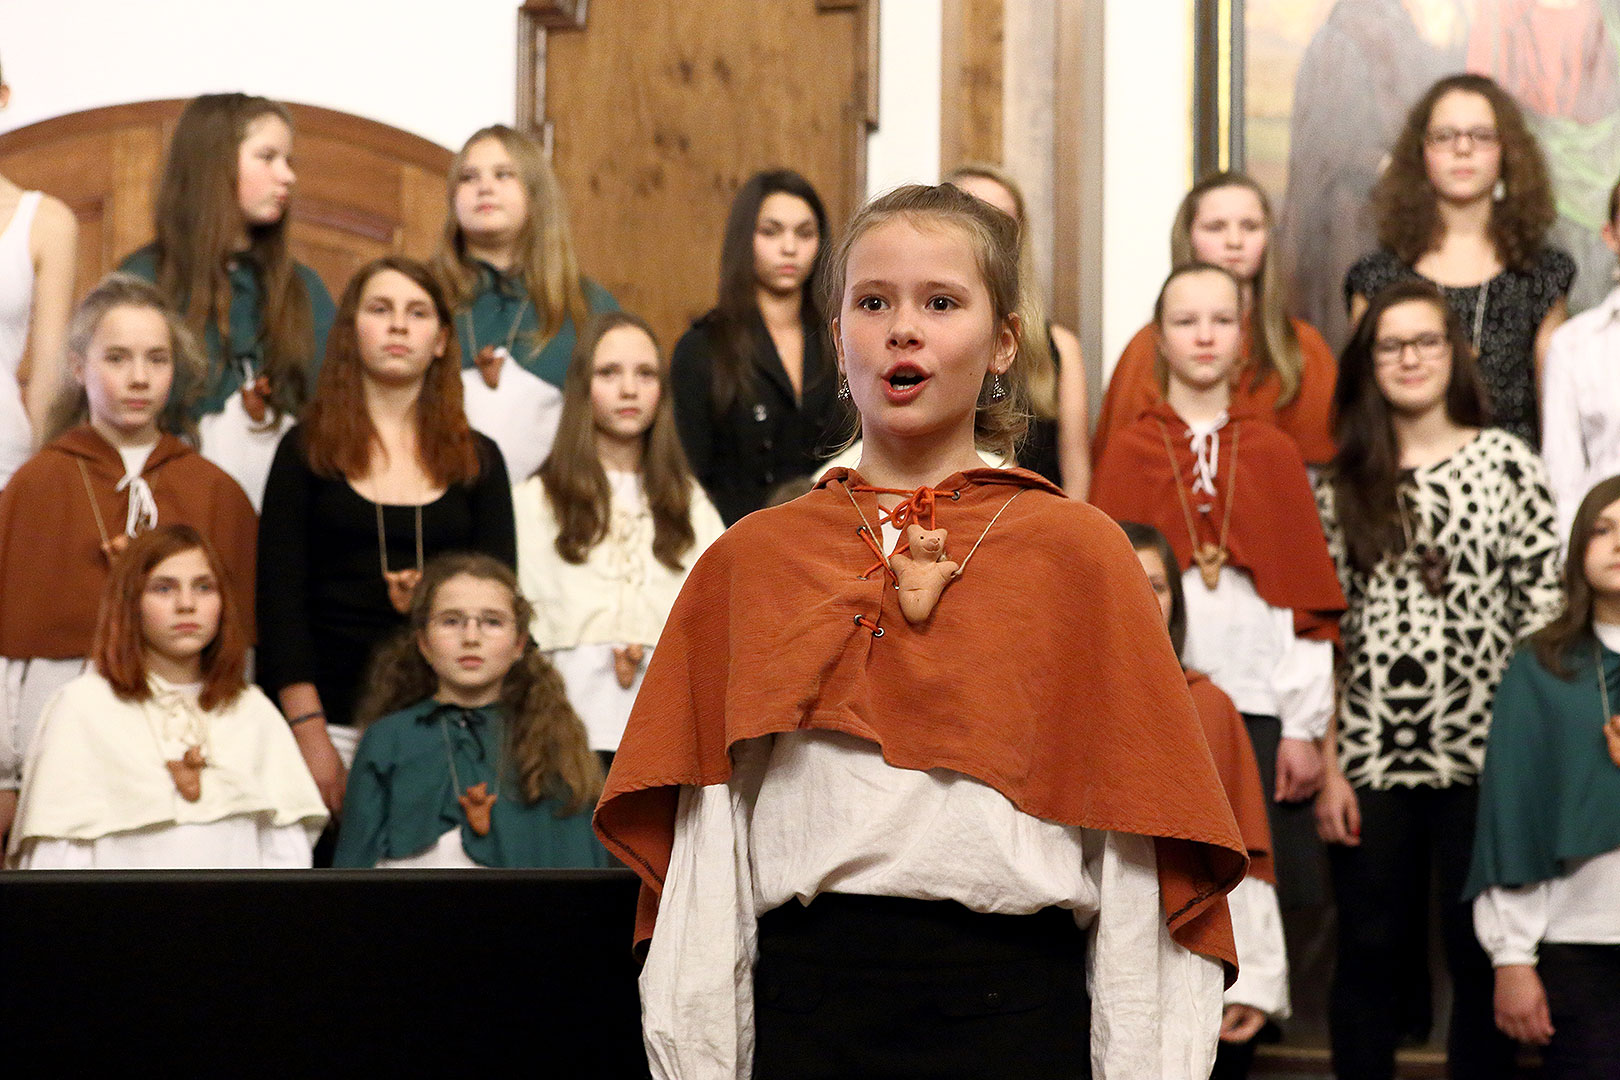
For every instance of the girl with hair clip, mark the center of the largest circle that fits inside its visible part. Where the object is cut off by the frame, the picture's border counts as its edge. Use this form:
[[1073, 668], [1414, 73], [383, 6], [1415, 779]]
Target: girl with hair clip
[[507, 263], [1285, 370], [1261, 990], [1443, 536], [381, 474], [107, 473], [1465, 204], [471, 755], [162, 756], [1546, 866], [1263, 603], [39, 246], [221, 259], [875, 839], [1056, 446], [756, 391], [610, 525]]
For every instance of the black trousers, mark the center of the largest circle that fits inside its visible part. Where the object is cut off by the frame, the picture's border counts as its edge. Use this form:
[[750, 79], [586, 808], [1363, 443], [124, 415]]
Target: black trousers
[[1409, 837], [1296, 850], [1583, 994], [882, 987]]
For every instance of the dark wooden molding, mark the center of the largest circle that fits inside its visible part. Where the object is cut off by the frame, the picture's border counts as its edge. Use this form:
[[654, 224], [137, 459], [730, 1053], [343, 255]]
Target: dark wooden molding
[[1217, 105], [536, 20]]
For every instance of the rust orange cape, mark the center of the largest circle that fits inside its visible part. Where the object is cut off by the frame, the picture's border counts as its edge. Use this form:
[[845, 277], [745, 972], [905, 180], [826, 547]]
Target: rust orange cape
[[1308, 419], [1045, 671], [52, 571], [1275, 532], [1239, 771]]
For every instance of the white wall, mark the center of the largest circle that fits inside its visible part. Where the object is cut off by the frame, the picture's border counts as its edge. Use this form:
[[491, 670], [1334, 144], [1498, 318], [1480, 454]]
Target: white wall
[[400, 62], [905, 147]]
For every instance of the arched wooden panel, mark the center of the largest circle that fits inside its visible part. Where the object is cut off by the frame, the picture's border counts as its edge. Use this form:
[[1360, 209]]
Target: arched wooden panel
[[364, 189]]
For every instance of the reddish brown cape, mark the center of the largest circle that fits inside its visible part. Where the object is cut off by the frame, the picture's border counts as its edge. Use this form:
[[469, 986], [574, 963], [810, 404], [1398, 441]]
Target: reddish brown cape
[[1308, 419], [1045, 672], [1240, 773], [1275, 532], [51, 566]]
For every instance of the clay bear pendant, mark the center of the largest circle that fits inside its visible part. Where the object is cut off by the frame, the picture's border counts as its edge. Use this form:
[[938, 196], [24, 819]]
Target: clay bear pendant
[[626, 662], [1210, 559], [187, 773], [401, 584], [1611, 734], [255, 395], [922, 573], [489, 361], [114, 547], [477, 804]]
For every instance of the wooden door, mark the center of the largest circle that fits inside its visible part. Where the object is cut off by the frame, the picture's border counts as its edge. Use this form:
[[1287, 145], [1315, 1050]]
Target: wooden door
[[659, 111], [364, 189]]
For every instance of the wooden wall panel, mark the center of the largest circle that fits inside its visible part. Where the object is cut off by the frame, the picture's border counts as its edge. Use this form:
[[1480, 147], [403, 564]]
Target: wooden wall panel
[[659, 112], [364, 189], [972, 71]]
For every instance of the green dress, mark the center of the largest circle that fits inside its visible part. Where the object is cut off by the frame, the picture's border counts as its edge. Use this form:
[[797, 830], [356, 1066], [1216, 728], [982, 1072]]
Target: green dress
[[402, 795], [1549, 795], [246, 330], [501, 313]]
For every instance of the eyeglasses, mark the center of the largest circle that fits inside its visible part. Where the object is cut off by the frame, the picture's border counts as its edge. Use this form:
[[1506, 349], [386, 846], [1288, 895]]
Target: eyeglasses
[[456, 622], [1448, 136], [1430, 346]]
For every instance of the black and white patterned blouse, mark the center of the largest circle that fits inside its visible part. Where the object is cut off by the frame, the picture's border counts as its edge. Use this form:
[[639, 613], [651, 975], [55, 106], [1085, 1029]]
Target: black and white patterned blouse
[[1516, 301], [1421, 670]]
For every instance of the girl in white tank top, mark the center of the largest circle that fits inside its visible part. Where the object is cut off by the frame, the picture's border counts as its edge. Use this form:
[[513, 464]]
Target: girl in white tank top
[[16, 304]]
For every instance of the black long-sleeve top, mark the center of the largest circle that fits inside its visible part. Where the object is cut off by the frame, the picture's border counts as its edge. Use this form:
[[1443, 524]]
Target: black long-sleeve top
[[768, 436], [323, 603]]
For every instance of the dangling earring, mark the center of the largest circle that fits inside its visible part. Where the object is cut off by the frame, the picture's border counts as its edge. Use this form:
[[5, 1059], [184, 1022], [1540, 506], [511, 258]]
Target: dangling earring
[[843, 387], [1499, 192], [997, 391]]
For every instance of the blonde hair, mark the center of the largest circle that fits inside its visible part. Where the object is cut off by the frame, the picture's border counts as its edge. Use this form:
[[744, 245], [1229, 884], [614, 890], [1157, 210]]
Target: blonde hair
[[1273, 344], [999, 426], [1042, 374], [545, 245], [72, 405]]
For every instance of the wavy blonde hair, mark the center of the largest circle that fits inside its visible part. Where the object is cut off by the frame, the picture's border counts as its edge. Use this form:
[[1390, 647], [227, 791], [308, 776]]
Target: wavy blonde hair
[[545, 244]]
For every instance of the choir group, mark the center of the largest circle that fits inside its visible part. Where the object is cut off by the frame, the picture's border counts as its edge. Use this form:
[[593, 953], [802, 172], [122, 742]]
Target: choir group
[[425, 576]]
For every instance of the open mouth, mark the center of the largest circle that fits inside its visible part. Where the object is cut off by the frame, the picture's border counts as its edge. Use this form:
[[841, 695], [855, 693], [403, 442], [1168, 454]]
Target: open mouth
[[902, 378]]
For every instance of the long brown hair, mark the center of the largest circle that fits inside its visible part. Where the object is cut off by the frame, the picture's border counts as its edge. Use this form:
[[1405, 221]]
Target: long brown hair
[[118, 649], [735, 318], [1407, 207], [1365, 471], [1555, 643], [577, 485], [545, 245], [1042, 365], [546, 741], [1273, 345], [339, 436], [199, 220], [999, 426], [71, 406]]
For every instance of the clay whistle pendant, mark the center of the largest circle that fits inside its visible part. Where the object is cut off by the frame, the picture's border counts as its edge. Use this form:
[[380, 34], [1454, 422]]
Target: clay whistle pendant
[[255, 396], [1611, 735], [187, 773], [626, 662], [489, 361], [921, 572], [114, 547], [1210, 559], [401, 585], [476, 804]]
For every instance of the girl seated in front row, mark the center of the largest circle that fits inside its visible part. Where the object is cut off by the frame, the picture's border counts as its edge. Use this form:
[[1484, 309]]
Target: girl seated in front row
[[163, 757], [1261, 989], [610, 525], [477, 759]]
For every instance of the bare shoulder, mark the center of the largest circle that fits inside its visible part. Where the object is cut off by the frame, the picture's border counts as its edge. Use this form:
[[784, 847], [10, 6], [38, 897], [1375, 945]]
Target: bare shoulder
[[1068, 344], [54, 224]]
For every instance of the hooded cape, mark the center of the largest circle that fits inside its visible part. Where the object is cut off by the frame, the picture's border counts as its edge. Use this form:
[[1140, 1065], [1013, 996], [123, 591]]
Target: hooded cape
[[1275, 532], [52, 570], [1234, 758], [1549, 794], [1044, 671]]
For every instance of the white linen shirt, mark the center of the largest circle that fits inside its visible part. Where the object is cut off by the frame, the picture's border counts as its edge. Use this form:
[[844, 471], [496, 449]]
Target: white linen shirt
[[1580, 406]]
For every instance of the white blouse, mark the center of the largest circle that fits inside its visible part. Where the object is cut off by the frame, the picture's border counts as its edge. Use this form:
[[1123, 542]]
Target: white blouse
[[1580, 406]]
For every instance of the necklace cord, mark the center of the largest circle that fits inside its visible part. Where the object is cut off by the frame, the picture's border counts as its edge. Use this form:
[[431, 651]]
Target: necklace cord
[[1181, 493]]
